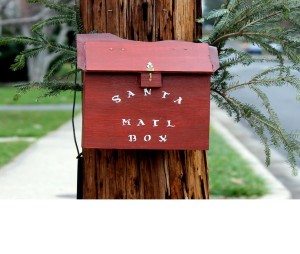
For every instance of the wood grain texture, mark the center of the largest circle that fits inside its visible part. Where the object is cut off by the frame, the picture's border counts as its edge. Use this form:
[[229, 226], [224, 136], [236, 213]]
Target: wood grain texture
[[143, 20], [126, 174], [147, 174], [110, 124]]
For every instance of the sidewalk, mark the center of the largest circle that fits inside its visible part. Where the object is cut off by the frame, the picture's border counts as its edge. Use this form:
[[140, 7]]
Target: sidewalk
[[48, 169]]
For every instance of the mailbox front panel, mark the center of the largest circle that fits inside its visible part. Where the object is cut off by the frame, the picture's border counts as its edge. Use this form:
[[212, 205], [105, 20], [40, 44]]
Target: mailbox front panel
[[120, 114]]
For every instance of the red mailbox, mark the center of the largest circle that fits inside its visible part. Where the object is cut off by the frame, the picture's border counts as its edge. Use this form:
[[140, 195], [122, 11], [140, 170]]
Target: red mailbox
[[145, 95]]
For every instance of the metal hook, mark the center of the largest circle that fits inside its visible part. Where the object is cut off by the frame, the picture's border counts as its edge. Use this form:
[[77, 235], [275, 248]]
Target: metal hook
[[150, 68]]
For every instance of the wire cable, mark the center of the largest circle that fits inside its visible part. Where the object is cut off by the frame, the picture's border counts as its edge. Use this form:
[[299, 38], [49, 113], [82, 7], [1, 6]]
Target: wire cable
[[73, 114]]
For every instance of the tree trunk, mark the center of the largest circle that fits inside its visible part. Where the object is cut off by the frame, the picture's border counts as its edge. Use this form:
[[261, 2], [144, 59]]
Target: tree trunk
[[143, 174]]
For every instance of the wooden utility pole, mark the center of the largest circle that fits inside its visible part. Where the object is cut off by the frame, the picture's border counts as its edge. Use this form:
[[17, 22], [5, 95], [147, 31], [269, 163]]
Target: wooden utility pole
[[144, 174]]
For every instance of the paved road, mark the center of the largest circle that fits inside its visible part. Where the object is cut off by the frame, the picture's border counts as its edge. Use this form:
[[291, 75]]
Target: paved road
[[283, 101]]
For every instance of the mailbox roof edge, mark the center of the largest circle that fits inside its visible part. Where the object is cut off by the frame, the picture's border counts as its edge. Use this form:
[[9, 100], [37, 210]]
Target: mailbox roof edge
[[109, 53]]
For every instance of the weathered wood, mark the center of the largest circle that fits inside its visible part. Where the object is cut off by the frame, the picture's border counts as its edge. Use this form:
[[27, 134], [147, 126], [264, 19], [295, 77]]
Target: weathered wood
[[125, 174], [143, 20], [146, 174]]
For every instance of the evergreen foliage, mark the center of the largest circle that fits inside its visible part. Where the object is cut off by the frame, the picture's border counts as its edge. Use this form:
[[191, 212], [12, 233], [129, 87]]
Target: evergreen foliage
[[256, 21], [261, 23], [65, 13]]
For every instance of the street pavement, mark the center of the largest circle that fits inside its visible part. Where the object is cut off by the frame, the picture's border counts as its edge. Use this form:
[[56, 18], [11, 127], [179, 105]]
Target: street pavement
[[282, 99], [48, 168]]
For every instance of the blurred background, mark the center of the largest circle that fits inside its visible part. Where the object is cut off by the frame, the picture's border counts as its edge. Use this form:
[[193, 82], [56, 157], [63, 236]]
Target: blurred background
[[17, 18]]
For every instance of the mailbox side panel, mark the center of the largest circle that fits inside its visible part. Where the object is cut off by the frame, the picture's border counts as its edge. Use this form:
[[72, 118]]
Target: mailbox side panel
[[119, 114]]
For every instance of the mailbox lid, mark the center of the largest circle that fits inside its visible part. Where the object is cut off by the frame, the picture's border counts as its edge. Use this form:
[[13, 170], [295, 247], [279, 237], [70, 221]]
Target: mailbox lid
[[109, 53]]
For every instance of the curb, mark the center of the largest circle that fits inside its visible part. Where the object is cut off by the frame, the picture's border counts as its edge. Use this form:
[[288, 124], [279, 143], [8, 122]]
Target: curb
[[276, 189]]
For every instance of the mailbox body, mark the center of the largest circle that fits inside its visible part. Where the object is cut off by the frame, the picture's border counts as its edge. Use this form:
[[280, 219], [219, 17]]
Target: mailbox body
[[127, 105]]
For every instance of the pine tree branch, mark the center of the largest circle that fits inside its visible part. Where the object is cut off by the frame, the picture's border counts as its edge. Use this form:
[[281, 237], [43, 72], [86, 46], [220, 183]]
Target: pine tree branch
[[240, 34], [259, 20], [249, 83], [59, 47], [270, 126]]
